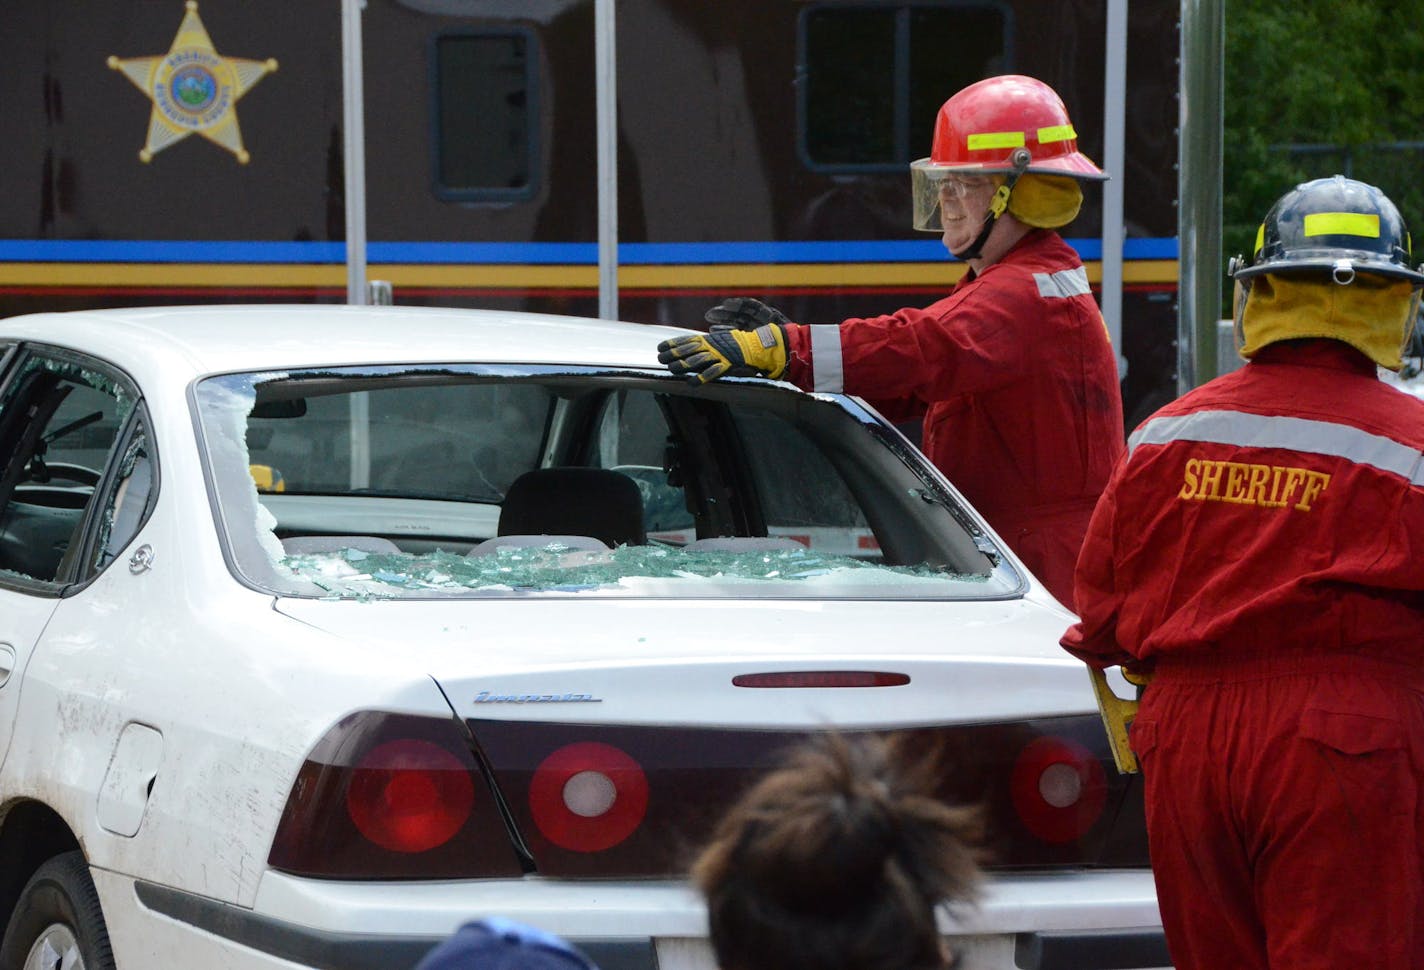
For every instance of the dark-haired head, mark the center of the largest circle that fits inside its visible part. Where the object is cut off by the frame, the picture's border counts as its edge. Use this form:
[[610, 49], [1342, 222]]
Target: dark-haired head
[[837, 860]]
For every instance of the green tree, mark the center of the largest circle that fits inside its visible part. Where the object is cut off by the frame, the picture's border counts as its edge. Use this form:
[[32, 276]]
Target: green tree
[[1321, 88]]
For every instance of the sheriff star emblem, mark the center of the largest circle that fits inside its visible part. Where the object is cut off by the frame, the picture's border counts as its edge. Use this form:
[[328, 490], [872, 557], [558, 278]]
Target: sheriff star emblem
[[193, 89]]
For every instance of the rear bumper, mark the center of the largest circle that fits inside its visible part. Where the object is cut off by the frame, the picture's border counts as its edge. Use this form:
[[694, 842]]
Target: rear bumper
[[1078, 921], [327, 950], [1097, 949]]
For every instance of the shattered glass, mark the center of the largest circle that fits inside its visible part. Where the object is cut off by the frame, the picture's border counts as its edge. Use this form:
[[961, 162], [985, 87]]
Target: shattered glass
[[627, 569], [224, 406], [132, 467], [124, 402]]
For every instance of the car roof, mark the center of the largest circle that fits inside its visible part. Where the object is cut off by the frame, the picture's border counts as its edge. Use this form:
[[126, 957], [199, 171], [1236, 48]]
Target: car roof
[[210, 339]]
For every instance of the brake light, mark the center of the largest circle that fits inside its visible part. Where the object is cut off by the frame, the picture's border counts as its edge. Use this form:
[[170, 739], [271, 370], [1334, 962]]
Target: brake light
[[609, 801], [389, 796], [409, 796], [822, 678], [1058, 789], [588, 796]]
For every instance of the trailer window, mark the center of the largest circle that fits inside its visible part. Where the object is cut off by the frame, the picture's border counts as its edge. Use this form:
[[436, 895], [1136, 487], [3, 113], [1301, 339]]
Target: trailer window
[[484, 103], [874, 76]]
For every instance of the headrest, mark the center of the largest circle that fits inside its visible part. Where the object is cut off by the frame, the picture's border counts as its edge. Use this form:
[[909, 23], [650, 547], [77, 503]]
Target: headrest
[[575, 502]]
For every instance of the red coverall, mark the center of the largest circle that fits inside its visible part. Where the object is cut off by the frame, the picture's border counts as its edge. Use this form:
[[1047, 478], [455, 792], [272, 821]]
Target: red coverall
[[1262, 549], [1017, 386]]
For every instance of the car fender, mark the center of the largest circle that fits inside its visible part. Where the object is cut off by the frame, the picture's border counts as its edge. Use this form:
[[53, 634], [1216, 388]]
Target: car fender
[[164, 715]]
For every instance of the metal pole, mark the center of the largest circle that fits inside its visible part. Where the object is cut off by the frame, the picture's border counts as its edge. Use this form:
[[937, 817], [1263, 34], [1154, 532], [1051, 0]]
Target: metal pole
[[353, 121], [606, 85], [1114, 159], [1199, 189]]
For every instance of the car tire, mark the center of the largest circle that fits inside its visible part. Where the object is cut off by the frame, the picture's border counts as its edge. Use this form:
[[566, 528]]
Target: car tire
[[58, 923]]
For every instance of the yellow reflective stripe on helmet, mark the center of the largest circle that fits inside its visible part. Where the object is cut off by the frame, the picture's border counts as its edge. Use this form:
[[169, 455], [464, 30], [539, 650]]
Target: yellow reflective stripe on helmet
[[1047, 136], [996, 139], [1342, 224], [1260, 240]]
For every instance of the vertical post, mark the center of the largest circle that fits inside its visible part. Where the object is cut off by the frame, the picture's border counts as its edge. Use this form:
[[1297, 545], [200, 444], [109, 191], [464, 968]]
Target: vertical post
[[606, 86], [359, 438], [1115, 162], [354, 154], [1199, 188], [354, 126]]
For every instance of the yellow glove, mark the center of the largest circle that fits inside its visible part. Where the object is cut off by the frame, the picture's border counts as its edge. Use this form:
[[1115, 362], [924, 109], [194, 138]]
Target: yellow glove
[[704, 357], [742, 313]]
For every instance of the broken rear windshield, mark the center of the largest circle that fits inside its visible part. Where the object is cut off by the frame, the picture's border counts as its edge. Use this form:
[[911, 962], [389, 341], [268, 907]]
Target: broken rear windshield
[[466, 480]]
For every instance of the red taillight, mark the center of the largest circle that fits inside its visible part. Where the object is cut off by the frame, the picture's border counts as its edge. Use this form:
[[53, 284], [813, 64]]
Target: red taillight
[[409, 796], [1058, 789], [568, 786], [588, 796], [822, 678], [393, 796]]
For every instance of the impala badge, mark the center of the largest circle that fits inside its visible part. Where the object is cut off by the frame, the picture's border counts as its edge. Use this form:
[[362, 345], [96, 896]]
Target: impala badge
[[490, 697]]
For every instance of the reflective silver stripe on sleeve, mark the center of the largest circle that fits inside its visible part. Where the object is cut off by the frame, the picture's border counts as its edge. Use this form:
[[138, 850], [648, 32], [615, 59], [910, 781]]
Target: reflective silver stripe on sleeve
[[1065, 282], [1294, 434], [826, 362]]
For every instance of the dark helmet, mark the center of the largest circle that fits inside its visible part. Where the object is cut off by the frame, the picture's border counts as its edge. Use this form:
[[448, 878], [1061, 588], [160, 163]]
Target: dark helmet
[[1333, 224]]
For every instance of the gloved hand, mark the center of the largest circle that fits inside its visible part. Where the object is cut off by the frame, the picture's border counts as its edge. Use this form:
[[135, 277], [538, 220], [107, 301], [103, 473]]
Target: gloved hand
[[740, 353], [743, 313]]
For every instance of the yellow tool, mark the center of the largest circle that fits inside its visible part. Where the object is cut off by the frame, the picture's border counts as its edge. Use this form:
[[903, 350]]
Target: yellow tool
[[1117, 715], [267, 478]]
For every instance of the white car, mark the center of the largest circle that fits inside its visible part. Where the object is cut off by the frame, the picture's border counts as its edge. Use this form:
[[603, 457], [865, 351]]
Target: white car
[[326, 629]]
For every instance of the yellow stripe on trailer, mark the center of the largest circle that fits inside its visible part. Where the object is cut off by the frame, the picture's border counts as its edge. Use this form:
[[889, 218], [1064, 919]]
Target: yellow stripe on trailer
[[517, 277]]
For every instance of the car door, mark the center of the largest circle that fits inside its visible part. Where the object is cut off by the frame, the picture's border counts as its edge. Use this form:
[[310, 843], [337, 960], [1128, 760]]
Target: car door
[[22, 617], [60, 419]]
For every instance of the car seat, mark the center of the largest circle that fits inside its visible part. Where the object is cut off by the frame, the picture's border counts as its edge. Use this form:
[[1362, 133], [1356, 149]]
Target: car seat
[[564, 502]]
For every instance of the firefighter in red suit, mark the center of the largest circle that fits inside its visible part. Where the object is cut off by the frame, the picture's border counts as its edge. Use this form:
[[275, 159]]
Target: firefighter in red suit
[[1012, 373], [1260, 553]]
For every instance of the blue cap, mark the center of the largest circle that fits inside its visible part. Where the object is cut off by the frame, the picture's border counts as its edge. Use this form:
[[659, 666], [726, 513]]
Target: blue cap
[[503, 944]]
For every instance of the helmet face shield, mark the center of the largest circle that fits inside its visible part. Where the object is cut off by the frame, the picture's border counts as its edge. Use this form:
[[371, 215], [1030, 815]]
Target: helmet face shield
[[1410, 343], [925, 182], [930, 184], [1240, 288]]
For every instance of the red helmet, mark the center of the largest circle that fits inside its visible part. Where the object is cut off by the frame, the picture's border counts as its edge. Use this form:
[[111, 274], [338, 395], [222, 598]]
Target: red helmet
[[1010, 125], [979, 128]]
